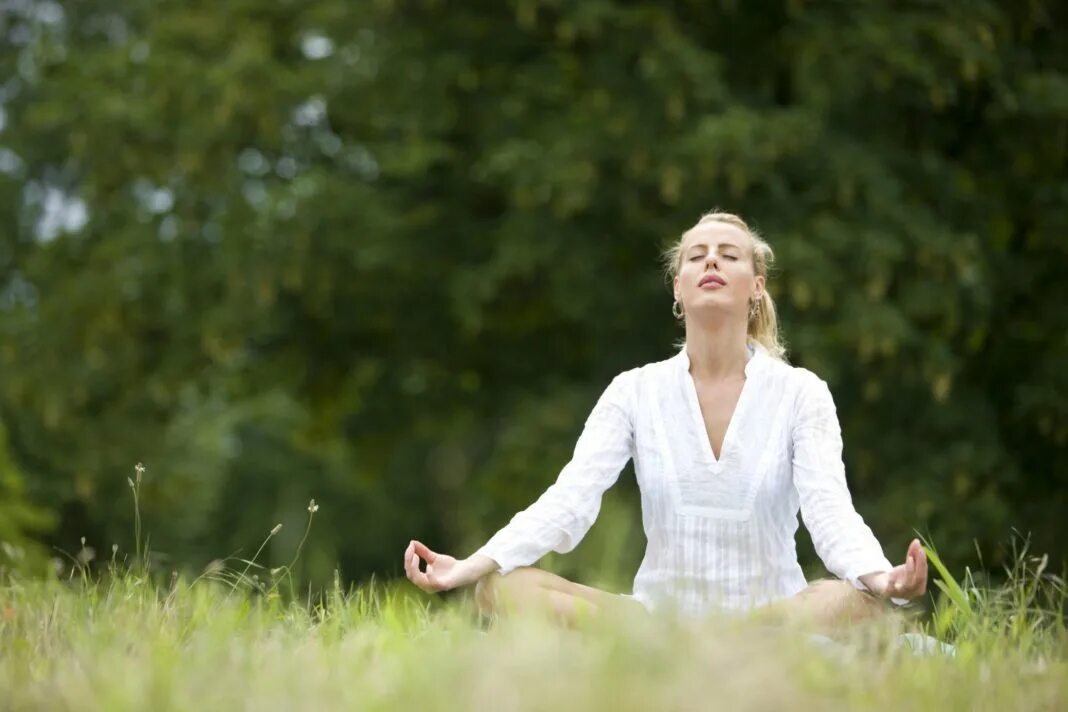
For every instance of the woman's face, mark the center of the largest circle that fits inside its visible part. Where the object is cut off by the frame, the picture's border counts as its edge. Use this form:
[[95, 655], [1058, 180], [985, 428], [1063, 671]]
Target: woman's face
[[716, 270]]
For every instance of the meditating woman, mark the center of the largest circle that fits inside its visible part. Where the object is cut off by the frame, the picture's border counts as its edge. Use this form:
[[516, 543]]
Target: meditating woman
[[729, 441]]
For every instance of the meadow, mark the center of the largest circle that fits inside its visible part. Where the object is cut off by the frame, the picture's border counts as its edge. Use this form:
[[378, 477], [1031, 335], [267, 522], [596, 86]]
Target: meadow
[[239, 636]]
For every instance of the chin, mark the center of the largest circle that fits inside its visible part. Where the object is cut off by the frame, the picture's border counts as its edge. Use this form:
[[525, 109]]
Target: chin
[[714, 302]]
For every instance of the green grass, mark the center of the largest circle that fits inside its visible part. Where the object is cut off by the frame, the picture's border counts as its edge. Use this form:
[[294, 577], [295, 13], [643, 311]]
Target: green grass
[[239, 637], [125, 643]]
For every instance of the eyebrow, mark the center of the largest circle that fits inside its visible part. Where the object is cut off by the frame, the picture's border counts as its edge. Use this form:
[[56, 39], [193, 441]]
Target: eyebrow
[[700, 245]]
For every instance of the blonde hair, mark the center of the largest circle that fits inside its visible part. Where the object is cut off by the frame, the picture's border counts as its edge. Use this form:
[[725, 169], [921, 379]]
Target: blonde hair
[[763, 327]]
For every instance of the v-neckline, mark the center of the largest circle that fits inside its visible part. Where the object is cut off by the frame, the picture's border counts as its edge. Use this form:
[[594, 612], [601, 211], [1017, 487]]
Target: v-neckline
[[698, 417]]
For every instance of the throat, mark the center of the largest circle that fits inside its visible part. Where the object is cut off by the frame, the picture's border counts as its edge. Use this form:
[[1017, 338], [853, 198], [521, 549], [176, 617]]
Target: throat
[[717, 404]]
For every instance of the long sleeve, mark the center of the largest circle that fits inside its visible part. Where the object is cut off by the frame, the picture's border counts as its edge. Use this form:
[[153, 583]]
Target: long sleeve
[[841, 538], [562, 515]]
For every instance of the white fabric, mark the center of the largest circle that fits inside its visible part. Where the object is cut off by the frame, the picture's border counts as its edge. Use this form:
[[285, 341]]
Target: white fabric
[[720, 534]]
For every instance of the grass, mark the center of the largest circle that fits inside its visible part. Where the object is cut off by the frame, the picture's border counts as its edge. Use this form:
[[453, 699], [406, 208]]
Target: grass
[[121, 640], [125, 643]]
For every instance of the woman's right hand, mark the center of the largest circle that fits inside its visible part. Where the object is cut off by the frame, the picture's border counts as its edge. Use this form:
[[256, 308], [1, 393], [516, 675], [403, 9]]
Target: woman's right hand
[[443, 572]]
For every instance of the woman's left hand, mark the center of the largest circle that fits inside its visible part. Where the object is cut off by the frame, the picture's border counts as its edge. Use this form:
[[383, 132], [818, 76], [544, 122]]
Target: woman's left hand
[[909, 580]]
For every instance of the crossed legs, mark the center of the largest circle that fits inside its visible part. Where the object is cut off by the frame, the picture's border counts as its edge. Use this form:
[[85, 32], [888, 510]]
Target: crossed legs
[[825, 604], [528, 588]]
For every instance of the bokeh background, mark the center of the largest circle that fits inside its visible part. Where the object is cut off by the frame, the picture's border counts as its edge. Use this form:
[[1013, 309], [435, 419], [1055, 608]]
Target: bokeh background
[[387, 254]]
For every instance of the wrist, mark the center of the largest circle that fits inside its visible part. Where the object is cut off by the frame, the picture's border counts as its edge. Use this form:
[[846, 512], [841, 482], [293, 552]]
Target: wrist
[[876, 582], [479, 565]]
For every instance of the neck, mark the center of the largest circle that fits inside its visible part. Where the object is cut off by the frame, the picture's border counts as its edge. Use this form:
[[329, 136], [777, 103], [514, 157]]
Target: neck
[[716, 351]]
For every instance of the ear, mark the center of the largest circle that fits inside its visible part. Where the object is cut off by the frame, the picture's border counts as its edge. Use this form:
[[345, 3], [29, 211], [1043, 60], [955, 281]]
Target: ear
[[675, 287], [759, 282]]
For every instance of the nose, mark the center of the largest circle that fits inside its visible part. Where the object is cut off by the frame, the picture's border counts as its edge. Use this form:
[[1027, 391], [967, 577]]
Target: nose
[[712, 260]]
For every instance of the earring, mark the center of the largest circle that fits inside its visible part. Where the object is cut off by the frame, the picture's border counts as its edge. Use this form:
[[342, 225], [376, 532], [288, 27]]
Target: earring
[[754, 308], [676, 309]]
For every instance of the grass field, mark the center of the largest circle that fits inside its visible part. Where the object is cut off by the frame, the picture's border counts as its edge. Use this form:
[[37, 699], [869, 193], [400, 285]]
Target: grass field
[[116, 637], [122, 642]]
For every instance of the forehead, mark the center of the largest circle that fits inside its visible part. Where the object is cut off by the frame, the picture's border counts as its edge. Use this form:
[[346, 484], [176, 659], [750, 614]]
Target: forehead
[[716, 233]]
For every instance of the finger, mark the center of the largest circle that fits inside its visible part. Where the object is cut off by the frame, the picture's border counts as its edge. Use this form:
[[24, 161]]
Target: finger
[[409, 565], [922, 569], [916, 548], [418, 577], [913, 558], [424, 552], [899, 580], [423, 582]]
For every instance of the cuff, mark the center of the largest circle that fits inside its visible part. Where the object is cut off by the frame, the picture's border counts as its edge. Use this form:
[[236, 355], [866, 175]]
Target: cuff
[[503, 565], [871, 565], [882, 567]]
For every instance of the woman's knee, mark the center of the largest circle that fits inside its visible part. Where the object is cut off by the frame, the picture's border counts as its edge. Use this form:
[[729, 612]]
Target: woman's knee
[[485, 592], [841, 602], [490, 588]]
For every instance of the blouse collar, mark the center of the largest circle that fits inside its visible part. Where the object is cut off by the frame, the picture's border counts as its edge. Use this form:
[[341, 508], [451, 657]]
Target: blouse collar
[[757, 355]]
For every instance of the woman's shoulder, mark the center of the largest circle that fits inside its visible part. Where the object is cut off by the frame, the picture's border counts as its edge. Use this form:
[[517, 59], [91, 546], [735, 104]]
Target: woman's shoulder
[[795, 374], [807, 391], [652, 369], [800, 385], [628, 384]]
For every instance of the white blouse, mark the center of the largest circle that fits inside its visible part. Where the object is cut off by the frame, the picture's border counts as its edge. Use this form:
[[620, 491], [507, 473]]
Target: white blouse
[[720, 533]]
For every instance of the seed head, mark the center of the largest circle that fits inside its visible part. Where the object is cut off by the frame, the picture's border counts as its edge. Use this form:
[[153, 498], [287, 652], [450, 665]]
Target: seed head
[[313, 507], [277, 528], [140, 469]]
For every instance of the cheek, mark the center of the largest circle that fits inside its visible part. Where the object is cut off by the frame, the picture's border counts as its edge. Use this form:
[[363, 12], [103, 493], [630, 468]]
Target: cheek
[[742, 272]]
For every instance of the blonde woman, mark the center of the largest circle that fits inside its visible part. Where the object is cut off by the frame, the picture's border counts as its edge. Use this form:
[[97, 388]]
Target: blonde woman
[[729, 443]]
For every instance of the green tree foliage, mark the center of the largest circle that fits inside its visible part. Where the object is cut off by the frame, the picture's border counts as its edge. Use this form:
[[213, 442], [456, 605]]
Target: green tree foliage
[[387, 253], [19, 520]]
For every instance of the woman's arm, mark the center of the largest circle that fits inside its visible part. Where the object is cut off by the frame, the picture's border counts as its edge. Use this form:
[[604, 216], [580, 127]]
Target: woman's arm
[[841, 538], [560, 517]]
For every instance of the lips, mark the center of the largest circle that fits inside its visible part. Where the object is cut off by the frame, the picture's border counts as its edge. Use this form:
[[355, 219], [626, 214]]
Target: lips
[[711, 278]]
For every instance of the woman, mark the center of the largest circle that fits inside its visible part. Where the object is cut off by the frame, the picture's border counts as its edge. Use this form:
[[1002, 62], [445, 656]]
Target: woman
[[729, 442]]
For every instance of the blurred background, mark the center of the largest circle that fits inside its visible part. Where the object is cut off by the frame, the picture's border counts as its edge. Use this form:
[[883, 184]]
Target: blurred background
[[387, 254]]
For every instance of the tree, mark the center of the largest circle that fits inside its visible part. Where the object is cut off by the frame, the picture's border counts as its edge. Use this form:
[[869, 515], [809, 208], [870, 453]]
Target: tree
[[386, 255]]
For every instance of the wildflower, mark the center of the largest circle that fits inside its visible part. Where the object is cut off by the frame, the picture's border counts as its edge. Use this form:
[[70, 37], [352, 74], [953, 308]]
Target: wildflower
[[277, 528], [313, 507], [140, 469]]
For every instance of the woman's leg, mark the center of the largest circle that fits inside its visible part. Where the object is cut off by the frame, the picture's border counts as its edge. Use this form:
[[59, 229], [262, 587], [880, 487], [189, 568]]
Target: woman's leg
[[531, 589], [829, 604]]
